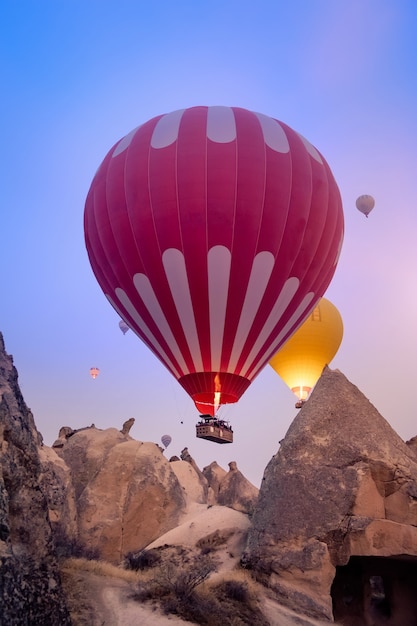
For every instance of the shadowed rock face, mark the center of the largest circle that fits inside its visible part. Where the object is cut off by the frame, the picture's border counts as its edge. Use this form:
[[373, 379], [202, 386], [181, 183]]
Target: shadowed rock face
[[56, 483], [343, 483], [30, 589]]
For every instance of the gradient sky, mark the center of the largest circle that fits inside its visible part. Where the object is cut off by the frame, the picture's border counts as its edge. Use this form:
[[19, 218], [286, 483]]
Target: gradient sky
[[77, 75]]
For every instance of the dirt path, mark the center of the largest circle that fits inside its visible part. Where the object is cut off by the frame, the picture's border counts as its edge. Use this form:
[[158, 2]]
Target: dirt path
[[103, 601]]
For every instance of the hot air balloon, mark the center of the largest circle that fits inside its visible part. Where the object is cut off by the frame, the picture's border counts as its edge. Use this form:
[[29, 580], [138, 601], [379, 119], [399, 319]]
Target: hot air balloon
[[166, 440], [213, 231], [365, 204], [94, 372], [123, 327], [301, 360]]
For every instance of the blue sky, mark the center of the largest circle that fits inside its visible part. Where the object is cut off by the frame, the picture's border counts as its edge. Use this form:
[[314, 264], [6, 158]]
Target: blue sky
[[78, 75]]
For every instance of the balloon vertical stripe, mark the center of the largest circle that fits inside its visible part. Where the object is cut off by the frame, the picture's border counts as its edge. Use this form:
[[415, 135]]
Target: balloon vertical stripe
[[218, 264], [176, 274], [145, 333], [290, 327], [280, 306], [262, 267], [150, 301]]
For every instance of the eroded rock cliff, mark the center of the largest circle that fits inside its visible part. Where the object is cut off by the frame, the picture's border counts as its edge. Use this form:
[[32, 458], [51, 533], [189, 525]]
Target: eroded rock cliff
[[343, 484], [126, 492], [30, 587]]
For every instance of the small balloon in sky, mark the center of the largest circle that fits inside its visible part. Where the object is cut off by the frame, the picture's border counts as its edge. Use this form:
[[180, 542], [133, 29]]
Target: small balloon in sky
[[365, 204], [166, 440], [123, 327], [94, 372]]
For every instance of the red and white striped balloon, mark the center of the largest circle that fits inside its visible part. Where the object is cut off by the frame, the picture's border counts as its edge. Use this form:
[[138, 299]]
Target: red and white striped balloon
[[213, 232]]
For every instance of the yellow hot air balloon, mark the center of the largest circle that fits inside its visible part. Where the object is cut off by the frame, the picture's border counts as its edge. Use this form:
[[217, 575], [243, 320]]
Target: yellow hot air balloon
[[302, 358]]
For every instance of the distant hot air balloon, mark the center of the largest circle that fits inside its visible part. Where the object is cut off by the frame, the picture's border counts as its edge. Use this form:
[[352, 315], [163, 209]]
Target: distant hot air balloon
[[94, 372], [123, 327], [301, 360], [213, 231], [166, 440], [365, 204]]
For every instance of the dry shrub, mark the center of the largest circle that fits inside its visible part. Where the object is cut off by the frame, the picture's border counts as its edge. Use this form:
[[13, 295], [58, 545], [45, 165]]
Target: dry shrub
[[184, 590], [238, 594], [176, 580], [240, 575], [228, 604], [235, 590], [182, 581], [214, 540], [67, 547], [142, 560], [101, 568], [77, 597]]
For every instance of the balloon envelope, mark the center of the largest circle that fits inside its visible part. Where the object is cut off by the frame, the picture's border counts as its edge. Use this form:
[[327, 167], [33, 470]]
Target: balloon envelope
[[365, 204], [206, 408], [213, 231], [94, 372], [123, 327], [301, 360], [166, 440]]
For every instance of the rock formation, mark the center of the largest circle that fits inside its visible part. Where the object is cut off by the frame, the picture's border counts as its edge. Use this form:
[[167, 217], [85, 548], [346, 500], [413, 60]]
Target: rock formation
[[229, 489], [332, 531], [337, 500], [30, 588], [236, 492], [127, 426], [194, 488], [126, 491], [56, 483], [186, 456], [214, 475]]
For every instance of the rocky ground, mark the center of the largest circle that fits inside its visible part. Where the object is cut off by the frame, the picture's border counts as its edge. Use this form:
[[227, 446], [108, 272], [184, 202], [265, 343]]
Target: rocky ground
[[96, 600]]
